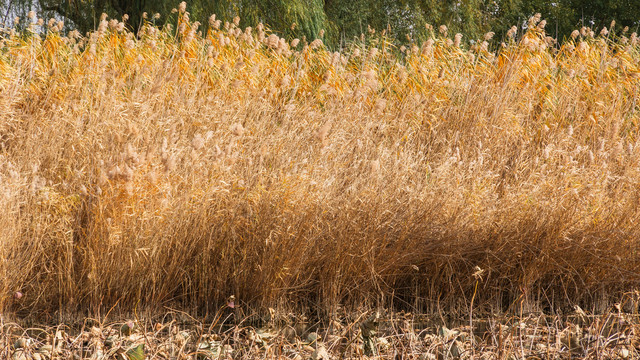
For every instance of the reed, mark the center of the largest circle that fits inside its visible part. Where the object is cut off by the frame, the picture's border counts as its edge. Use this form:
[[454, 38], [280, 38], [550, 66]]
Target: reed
[[179, 166]]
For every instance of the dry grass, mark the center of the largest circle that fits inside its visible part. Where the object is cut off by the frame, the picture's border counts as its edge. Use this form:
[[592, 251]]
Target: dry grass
[[612, 335], [170, 167]]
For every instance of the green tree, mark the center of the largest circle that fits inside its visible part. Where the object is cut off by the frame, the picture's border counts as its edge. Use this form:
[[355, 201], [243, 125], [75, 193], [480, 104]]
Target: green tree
[[288, 17], [279, 15], [344, 20], [406, 17]]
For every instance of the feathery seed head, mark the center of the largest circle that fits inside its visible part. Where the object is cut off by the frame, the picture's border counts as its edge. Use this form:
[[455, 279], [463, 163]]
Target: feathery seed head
[[315, 44], [197, 142], [537, 17], [237, 129], [583, 31], [375, 167], [534, 20]]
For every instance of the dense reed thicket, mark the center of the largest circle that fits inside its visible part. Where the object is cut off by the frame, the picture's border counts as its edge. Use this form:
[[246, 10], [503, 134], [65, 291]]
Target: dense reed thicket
[[170, 167]]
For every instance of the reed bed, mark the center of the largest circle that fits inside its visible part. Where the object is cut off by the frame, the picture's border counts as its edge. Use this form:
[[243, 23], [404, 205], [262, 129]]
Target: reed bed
[[179, 166]]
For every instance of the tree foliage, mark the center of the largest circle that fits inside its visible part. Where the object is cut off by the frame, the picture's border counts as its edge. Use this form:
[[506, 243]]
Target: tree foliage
[[343, 20]]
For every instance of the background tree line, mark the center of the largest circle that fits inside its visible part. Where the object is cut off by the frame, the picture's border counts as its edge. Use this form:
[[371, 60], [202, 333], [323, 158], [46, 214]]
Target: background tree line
[[343, 20]]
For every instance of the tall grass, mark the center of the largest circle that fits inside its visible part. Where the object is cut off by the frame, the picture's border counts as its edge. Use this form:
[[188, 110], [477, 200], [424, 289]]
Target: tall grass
[[174, 167]]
